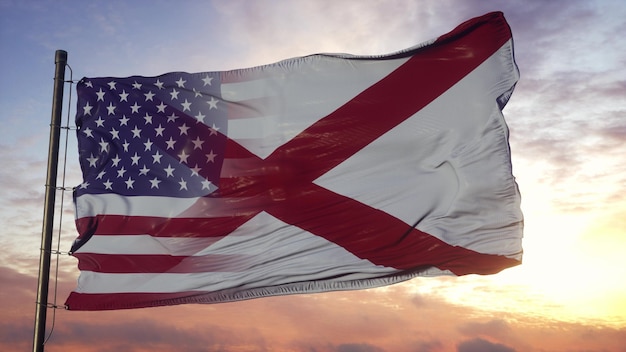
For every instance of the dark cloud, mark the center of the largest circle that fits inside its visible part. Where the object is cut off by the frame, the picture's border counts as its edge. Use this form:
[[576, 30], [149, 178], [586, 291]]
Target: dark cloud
[[480, 345], [358, 347], [155, 335], [427, 346], [497, 328], [16, 335]]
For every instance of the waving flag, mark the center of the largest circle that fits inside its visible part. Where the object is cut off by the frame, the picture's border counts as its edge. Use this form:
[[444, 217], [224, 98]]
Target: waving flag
[[324, 172]]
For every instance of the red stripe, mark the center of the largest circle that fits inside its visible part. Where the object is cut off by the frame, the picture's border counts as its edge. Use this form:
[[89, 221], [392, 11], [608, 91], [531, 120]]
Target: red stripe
[[104, 301], [120, 225], [128, 264]]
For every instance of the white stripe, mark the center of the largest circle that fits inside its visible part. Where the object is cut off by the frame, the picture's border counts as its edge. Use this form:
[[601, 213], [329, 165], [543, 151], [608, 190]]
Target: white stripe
[[253, 128], [165, 207], [113, 204], [246, 90], [146, 244], [93, 282]]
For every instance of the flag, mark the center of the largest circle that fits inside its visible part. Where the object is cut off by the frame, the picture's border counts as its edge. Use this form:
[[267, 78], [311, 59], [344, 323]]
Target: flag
[[318, 173]]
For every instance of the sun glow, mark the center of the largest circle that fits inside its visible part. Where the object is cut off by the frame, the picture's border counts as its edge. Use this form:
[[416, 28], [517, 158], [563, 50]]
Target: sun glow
[[571, 272]]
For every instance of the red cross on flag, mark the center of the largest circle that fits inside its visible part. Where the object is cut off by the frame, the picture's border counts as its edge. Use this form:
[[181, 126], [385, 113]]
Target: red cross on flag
[[318, 173]]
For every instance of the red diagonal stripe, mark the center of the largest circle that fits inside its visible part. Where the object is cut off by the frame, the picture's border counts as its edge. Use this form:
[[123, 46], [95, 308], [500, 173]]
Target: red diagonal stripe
[[283, 180]]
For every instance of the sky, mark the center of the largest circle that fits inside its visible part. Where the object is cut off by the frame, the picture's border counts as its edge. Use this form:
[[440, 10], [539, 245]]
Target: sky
[[567, 120]]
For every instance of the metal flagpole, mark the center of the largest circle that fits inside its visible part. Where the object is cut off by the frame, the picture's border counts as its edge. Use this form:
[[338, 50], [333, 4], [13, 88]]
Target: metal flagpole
[[60, 60]]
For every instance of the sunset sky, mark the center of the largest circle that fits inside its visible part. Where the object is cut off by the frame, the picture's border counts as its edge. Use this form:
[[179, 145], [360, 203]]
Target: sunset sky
[[567, 120]]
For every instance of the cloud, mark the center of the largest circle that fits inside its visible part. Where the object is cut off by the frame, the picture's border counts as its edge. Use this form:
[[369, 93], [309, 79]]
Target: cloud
[[154, 335], [566, 113], [496, 328], [427, 346], [480, 345], [358, 347], [16, 335]]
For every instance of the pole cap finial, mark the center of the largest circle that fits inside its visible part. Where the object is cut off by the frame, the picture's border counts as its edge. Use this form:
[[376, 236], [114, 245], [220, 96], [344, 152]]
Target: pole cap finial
[[60, 56]]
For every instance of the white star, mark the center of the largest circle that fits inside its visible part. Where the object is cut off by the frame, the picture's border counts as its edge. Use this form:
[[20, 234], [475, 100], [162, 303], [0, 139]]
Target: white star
[[124, 96], [84, 185], [148, 119], [169, 170], [186, 105], [92, 160], [136, 132], [154, 183], [136, 85], [88, 84], [135, 159], [170, 143], [129, 183], [174, 94], [207, 80], [206, 184], [159, 84], [210, 157], [100, 175], [87, 109], [200, 117], [197, 143], [172, 118], [214, 130], [111, 109], [135, 108], [157, 158], [121, 172], [144, 170], [212, 103], [148, 145], [195, 170], [125, 145], [159, 130], [197, 93], [149, 95], [112, 85], [181, 83], [104, 146], [183, 184], [183, 157], [124, 120], [108, 184], [88, 131], [115, 134], [161, 107], [183, 129], [116, 160], [99, 122], [100, 93]]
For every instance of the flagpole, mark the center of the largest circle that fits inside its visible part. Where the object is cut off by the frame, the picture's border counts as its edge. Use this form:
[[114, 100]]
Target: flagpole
[[60, 60]]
